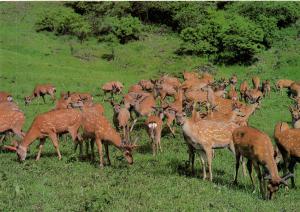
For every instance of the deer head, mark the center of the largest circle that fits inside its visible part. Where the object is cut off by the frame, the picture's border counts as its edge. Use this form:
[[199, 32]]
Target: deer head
[[128, 147], [273, 186]]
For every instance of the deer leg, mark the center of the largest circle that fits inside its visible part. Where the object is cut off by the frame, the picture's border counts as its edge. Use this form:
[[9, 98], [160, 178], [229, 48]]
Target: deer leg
[[169, 123], [291, 169], [153, 147], [261, 179], [92, 142], [107, 154], [192, 158], [249, 167], [43, 96], [158, 137], [53, 137], [237, 165], [209, 161], [99, 144], [244, 166], [202, 159], [42, 142], [134, 121]]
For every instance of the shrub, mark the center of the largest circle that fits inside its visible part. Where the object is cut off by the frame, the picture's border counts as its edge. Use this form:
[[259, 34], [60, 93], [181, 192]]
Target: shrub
[[226, 38], [64, 21]]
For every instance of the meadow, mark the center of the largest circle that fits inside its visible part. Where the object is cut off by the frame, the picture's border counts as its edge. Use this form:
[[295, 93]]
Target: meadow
[[152, 183]]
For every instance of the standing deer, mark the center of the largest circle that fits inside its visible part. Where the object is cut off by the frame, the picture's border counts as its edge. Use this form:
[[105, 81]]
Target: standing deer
[[233, 80], [266, 88], [295, 111], [256, 82], [204, 136], [243, 89], [154, 126], [5, 97], [97, 127], [288, 142], [40, 91], [257, 147], [113, 87], [283, 83], [50, 124]]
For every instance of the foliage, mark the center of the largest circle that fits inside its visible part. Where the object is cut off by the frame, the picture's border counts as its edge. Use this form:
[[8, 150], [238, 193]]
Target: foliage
[[64, 21], [227, 38]]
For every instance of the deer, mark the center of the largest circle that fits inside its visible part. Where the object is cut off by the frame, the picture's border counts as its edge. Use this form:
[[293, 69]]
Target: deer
[[173, 81], [9, 106], [146, 85], [288, 142], [96, 127], [232, 94], [266, 88], [295, 111], [256, 82], [243, 89], [295, 89], [121, 118], [253, 95], [163, 90], [283, 83], [41, 90], [5, 97], [135, 88], [50, 124], [113, 87], [190, 75], [233, 79], [204, 136], [11, 120], [257, 147], [154, 125], [63, 103]]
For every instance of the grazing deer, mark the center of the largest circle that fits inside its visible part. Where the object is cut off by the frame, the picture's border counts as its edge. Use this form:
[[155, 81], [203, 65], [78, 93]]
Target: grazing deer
[[113, 87], [266, 88], [283, 83], [163, 90], [257, 147], [5, 97], [50, 124], [146, 85], [243, 89], [121, 118], [204, 136], [98, 128], [154, 126], [295, 89], [135, 89], [256, 82], [288, 142], [40, 91], [11, 119]]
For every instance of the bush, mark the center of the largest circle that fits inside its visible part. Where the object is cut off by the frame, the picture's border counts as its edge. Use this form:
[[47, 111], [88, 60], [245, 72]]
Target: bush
[[64, 22], [226, 38]]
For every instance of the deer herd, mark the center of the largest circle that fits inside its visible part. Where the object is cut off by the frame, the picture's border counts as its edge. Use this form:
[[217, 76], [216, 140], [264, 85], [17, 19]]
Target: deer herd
[[210, 115]]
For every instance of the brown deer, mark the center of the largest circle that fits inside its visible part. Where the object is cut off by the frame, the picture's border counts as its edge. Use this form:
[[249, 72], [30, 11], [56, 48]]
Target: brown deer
[[50, 124], [190, 75], [253, 95], [295, 111], [295, 89], [283, 83], [5, 97], [63, 103], [288, 142], [121, 118], [154, 125], [135, 88], [233, 79], [266, 88], [204, 136], [11, 119], [243, 89], [113, 87], [257, 147], [146, 85], [232, 94], [40, 91], [99, 129], [256, 82]]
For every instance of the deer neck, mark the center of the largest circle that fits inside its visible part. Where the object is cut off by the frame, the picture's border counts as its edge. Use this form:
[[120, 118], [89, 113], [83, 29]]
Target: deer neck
[[30, 137], [114, 138], [272, 167]]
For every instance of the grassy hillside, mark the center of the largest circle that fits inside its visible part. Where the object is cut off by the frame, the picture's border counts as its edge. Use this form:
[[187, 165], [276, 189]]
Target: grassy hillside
[[160, 183]]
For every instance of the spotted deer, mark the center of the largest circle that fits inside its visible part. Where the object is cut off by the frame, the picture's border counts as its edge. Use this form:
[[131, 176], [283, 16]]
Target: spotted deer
[[257, 147], [50, 124], [40, 91]]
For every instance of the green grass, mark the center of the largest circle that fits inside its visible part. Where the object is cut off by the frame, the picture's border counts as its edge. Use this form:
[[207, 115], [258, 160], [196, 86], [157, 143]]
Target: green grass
[[151, 183]]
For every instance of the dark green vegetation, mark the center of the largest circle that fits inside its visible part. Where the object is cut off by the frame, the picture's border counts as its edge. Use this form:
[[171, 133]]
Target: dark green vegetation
[[160, 183]]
